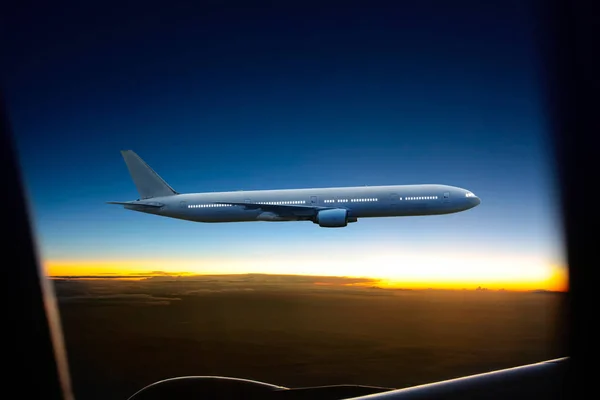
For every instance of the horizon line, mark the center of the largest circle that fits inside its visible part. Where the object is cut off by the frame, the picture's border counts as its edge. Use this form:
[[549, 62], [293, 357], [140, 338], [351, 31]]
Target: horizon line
[[370, 282]]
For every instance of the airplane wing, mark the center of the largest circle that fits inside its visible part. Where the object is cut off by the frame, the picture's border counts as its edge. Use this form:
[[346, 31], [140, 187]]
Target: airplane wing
[[543, 380], [281, 209]]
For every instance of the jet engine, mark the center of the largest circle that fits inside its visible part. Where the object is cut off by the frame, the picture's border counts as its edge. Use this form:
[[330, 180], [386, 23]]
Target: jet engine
[[335, 218]]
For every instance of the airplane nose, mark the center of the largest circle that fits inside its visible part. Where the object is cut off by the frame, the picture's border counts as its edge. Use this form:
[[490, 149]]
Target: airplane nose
[[472, 201]]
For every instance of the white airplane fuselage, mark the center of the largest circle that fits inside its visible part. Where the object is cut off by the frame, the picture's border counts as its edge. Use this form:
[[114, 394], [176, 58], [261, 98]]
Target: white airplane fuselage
[[328, 207]]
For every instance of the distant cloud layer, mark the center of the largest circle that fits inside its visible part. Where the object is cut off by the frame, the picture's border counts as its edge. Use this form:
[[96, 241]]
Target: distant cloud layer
[[119, 299], [162, 288]]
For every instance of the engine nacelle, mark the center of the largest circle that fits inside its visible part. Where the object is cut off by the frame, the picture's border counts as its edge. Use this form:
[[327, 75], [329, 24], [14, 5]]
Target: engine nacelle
[[336, 218]]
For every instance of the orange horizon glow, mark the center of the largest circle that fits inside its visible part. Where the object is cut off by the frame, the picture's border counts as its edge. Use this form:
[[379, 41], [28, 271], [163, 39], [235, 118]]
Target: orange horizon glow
[[388, 272]]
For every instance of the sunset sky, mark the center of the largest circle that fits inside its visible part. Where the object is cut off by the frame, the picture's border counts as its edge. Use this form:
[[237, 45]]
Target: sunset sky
[[217, 99]]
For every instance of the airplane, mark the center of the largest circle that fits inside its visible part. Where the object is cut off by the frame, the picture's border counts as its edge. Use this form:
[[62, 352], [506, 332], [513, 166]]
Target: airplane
[[333, 207]]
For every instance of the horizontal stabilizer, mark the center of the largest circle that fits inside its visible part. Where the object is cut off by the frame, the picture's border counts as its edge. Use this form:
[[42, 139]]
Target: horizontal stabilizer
[[148, 183], [136, 204]]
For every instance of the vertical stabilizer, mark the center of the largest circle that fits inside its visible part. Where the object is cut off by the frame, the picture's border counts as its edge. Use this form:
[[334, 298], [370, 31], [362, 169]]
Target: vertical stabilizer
[[147, 182]]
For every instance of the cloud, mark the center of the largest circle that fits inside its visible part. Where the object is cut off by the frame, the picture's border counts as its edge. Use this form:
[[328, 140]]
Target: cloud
[[119, 299], [221, 290], [165, 273], [167, 288], [268, 278]]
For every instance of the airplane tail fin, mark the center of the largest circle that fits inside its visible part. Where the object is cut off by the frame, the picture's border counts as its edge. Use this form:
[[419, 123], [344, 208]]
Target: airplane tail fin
[[148, 183]]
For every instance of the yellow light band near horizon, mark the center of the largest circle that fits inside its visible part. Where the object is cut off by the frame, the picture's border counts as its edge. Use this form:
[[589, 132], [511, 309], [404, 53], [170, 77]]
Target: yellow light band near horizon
[[393, 270]]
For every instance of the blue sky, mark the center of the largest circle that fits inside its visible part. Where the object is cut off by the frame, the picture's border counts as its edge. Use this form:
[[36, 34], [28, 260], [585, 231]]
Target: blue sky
[[217, 98]]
